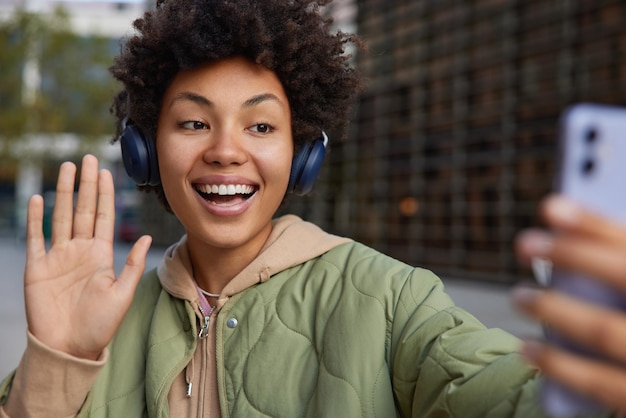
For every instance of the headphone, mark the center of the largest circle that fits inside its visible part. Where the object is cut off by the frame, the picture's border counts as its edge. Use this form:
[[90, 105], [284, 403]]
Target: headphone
[[139, 155], [141, 164]]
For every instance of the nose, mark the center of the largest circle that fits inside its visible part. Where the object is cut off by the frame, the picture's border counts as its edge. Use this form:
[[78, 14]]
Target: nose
[[225, 148]]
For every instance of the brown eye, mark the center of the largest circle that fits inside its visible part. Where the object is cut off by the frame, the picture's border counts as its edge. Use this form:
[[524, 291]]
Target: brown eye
[[262, 128], [194, 125]]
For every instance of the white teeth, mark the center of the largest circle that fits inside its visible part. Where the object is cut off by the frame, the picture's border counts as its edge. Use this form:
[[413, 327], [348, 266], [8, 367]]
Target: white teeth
[[226, 189]]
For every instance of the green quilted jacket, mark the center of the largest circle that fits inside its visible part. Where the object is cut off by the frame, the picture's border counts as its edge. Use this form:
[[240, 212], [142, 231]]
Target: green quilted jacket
[[352, 333]]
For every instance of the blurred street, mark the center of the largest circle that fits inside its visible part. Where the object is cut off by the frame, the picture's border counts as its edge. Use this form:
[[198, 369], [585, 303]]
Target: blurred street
[[489, 303]]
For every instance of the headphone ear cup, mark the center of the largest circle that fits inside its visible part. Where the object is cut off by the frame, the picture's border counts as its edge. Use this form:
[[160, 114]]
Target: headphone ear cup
[[139, 156], [305, 167]]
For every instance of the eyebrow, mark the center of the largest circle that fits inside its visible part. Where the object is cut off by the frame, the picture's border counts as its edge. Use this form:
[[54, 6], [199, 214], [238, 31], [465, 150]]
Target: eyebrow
[[260, 98], [192, 97], [203, 101]]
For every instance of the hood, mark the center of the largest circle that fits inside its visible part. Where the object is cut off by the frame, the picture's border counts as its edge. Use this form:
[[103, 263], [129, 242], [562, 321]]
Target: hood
[[291, 242]]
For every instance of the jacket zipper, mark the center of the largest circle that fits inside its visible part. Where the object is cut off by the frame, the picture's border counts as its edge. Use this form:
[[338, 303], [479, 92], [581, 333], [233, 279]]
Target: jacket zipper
[[203, 334]]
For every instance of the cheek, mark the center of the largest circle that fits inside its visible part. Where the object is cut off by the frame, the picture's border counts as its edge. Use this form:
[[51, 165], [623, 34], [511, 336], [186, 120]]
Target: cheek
[[276, 167], [172, 173], [175, 155], [172, 168]]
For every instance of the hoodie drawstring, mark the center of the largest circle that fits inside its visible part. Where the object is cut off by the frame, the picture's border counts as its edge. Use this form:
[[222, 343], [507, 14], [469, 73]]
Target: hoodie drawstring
[[189, 371]]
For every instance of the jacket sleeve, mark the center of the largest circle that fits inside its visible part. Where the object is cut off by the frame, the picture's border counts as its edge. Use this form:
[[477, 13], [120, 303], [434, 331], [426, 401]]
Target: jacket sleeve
[[445, 363], [48, 383]]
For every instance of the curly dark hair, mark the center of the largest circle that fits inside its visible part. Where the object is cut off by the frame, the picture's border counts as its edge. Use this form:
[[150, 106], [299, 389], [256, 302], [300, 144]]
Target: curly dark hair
[[290, 37]]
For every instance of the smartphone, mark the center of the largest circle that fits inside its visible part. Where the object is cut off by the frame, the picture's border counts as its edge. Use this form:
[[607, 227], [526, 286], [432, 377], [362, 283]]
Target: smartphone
[[592, 171]]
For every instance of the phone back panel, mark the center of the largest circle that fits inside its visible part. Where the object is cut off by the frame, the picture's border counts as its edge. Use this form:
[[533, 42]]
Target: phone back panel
[[593, 158]]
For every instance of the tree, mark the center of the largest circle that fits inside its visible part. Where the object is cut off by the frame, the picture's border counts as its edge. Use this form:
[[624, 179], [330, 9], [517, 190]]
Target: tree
[[73, 88]]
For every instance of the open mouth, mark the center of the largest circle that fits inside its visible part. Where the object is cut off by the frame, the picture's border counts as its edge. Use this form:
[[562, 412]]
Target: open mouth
[[225, 194]]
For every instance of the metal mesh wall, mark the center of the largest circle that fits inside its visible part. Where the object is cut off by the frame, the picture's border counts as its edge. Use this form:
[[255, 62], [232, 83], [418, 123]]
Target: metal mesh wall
[[453, 144]]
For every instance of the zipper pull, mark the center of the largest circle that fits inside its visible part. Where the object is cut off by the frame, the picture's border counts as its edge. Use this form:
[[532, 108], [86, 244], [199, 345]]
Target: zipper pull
[[204, 331]]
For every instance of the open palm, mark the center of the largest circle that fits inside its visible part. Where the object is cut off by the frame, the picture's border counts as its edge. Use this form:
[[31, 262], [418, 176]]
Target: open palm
[[74, 302]]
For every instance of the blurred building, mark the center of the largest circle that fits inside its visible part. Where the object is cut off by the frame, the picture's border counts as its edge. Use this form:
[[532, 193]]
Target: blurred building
[[453, 144]]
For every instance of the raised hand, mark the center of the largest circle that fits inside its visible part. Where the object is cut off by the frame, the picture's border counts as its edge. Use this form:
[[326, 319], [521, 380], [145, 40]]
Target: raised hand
[[595, 246], [74, 302]]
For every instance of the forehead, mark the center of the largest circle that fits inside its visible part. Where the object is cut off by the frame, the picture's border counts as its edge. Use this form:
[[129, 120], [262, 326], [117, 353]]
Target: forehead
[[228, 81]]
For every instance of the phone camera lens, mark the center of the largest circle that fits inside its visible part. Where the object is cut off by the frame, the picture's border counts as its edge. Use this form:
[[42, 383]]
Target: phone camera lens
[[591, 136], [588, 166]]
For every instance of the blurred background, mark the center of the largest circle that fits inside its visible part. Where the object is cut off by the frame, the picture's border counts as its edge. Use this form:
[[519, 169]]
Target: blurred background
[[55, 93], [454, 143], [449, 150]]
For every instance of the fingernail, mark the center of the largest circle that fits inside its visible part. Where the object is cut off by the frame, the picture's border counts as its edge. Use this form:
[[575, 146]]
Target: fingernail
[[542, 270], [564, 209], [536, 243], [531, 350], [524, 296]]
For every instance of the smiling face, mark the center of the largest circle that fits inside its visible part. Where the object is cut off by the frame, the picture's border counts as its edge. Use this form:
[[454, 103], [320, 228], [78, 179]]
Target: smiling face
[[225, 147]]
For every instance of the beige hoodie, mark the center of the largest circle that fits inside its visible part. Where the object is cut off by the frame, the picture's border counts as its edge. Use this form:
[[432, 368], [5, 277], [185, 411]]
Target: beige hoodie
[[50, 383]]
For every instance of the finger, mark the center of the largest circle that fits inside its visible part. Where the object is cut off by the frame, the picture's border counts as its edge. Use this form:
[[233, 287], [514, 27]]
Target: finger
[[603, 260], [63, 204], [594, 327], [135, 265], [583, 241], [35, 241], [105, 218], [84, 215], [533, 243], [601, 381], [566, 215]]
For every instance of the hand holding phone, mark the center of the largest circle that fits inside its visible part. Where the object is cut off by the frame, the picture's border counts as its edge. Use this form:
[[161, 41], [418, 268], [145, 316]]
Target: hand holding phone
[[592, 172]]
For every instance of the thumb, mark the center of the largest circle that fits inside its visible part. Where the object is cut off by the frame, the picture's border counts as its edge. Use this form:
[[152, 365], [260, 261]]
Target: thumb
[[135, 265]]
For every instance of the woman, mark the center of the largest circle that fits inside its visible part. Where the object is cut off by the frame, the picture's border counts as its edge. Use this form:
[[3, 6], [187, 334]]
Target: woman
[[221, 113]]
